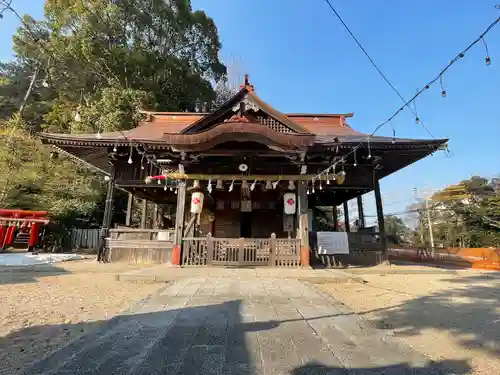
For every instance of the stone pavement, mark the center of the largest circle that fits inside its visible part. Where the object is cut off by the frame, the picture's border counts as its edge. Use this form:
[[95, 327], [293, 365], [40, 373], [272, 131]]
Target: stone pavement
[[219, 325], [164, 273]]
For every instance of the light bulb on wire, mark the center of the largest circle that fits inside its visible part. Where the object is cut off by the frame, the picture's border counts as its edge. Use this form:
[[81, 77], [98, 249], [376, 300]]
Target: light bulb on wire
[[45, 83], [98, 135], [487, 59], [78, 117], [130, 161], [443, 91]]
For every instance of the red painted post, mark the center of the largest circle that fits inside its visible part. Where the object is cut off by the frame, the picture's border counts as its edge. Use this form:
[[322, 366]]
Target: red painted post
[[304, 256], [33, 240], [176, 255]]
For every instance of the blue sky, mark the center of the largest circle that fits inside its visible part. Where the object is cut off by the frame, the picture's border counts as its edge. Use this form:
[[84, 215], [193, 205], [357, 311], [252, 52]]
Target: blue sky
[[300, 59]]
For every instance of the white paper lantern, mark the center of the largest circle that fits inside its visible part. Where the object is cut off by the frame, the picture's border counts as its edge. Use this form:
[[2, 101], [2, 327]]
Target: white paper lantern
[[290, 202], [197, 202]]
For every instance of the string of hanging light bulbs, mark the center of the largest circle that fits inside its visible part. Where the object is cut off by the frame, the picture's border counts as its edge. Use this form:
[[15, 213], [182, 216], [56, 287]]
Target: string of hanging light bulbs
[[438, 77]]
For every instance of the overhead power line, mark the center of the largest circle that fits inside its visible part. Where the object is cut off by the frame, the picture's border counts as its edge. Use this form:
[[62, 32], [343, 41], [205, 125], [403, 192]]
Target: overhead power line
[[407, 103], [389, 83]]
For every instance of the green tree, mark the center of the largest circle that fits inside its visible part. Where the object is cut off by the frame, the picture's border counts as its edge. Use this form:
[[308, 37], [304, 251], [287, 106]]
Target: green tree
[[42, 183], [396, 230], [106, 55], [105, 60], [466, 215]]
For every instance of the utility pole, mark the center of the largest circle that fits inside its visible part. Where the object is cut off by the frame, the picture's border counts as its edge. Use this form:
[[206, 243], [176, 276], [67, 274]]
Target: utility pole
[[429, 220], [429, 223]]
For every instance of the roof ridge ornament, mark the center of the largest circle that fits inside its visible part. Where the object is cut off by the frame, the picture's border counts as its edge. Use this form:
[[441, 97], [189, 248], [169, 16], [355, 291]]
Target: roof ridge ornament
[[248, 85]]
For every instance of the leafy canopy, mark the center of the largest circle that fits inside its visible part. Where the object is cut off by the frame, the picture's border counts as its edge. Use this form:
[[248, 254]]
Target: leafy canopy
[[106, 60], [118, 56]]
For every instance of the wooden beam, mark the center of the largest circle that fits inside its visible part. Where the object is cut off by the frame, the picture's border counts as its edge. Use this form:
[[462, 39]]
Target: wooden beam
[[380, 218], [108, 214], [335, 218], [155, 216], [179, 215], [144, 213], [346, 217], [128, 219], [303, 223], [361, 213], [179, 224]]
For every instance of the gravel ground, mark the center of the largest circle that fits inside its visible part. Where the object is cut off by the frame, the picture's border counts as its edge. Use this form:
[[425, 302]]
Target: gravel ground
[[445, 314], [44, 307]]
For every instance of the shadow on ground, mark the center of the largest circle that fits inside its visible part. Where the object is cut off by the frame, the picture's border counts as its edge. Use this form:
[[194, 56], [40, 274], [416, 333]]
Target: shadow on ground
[[468, 310], [443, 367], [207, 339], [28, 274]]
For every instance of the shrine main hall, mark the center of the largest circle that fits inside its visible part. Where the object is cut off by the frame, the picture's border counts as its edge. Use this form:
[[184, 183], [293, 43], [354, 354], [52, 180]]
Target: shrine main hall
[[239, 186]]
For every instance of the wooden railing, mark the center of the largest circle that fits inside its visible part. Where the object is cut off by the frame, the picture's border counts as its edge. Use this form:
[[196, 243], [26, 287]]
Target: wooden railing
[[194, 251], [200, 251], [287, 253], [142, 246], [125, 233]]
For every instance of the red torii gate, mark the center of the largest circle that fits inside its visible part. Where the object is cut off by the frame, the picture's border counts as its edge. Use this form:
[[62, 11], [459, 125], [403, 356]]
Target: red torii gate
[[10, 219]]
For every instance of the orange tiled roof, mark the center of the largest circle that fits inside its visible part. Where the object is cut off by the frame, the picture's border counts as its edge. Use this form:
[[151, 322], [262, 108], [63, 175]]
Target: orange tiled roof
[[175, 122]]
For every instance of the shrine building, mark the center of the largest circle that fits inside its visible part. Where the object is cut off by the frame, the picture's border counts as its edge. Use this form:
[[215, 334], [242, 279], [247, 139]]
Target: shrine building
[[238, 184]]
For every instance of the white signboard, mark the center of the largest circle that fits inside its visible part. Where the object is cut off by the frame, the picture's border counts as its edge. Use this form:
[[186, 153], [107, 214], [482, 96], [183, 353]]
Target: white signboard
[[333, 243]]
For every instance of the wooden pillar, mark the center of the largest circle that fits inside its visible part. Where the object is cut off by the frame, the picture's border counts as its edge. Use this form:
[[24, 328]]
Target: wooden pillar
[[335, 218], [161, 217], [179, 223], [108, 214], [346, 217], [361, 212], [144, 214], [380, 218], [154, 225], [128, 219], [303, 224]]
